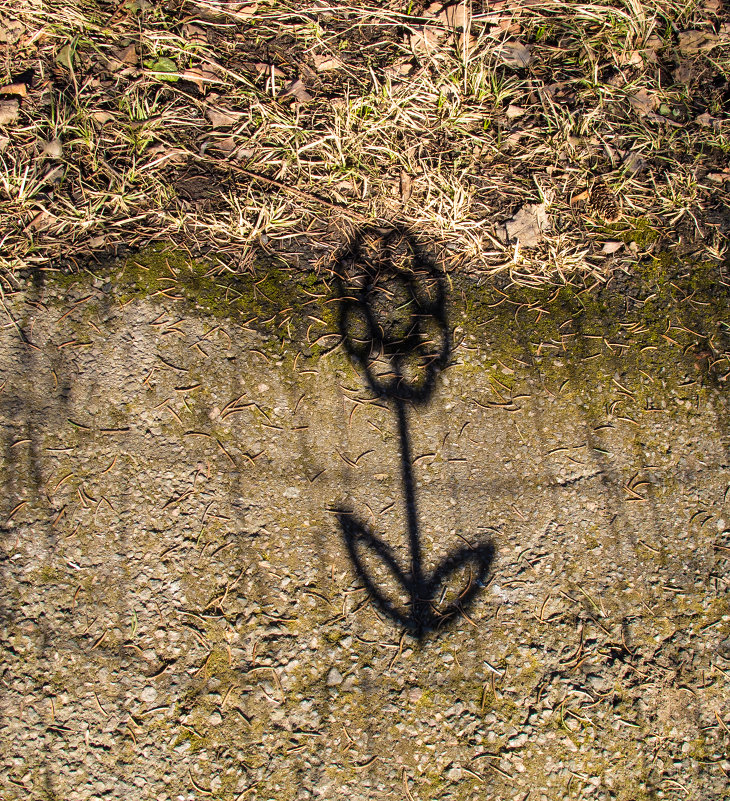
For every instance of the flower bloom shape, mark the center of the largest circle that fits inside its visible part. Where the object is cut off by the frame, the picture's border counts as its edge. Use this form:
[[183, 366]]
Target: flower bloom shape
[[392, 315]]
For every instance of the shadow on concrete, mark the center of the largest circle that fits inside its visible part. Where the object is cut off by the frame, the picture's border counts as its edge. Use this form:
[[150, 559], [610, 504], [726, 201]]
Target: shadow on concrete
[[393, 324]]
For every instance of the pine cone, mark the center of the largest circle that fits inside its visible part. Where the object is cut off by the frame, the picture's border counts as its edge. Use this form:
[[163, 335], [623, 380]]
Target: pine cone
[[603, 202]]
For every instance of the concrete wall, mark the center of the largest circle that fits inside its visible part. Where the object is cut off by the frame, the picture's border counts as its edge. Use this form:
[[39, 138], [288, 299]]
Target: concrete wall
[[181, 619]]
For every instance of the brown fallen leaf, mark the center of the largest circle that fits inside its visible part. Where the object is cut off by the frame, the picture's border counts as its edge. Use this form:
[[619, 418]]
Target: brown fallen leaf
[[4, 142], [65, 57], [500, 25], [132, 6], [41, 220], [456, 16], [685, 72], [216, 11], [630, 58], [261, 68], [514, 111], [101, 116], [194, 34], [9, 110], [400, 69], [466, 42], [706, 120], [516, 54], [427, 39], [226, 145], [52, 149], [692, 43], [660, 118], [643, 102], [528, 225], [297, 90], [19, 89], [200, 77], [244, 10], [653, 44], [406, 186], [611, 247], [221, 118], [633, 163], [54, 175], [432, 9], [10, 31], [324, 63], [127, 55], [162, 153]]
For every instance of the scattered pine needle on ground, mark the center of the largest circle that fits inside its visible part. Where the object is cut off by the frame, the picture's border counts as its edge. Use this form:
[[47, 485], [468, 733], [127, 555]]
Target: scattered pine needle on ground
[[537, 138]]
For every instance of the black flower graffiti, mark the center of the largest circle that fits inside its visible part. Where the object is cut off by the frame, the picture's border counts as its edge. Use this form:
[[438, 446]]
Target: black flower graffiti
[[393, 323]]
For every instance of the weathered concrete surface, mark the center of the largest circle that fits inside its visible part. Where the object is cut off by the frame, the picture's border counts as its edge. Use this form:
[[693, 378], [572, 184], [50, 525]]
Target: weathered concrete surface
[[179, 616]]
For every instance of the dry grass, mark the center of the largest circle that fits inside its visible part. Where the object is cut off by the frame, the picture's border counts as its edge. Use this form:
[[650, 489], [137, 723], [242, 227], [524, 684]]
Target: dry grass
[[164, 112]]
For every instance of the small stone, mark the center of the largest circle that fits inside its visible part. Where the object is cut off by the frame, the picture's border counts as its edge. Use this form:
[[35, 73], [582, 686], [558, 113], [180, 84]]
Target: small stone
[[334, 677], [215, 719], [149, 694]]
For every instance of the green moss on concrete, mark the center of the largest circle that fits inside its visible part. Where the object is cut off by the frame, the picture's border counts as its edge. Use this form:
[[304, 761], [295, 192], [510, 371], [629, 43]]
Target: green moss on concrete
[[582, 339], [643, 336], [164, 272]]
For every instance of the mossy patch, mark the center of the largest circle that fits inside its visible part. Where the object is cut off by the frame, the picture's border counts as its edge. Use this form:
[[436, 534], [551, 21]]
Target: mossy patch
[[641, 232], [283, 305], [628, 339], [661, 320]]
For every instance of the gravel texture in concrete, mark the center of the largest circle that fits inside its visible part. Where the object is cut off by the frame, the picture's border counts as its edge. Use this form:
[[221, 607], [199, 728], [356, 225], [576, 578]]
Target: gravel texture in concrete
[[180, 613]]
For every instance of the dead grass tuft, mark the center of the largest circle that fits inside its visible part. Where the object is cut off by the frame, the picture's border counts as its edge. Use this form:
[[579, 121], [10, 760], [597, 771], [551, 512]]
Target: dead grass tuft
[[121, 124]]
